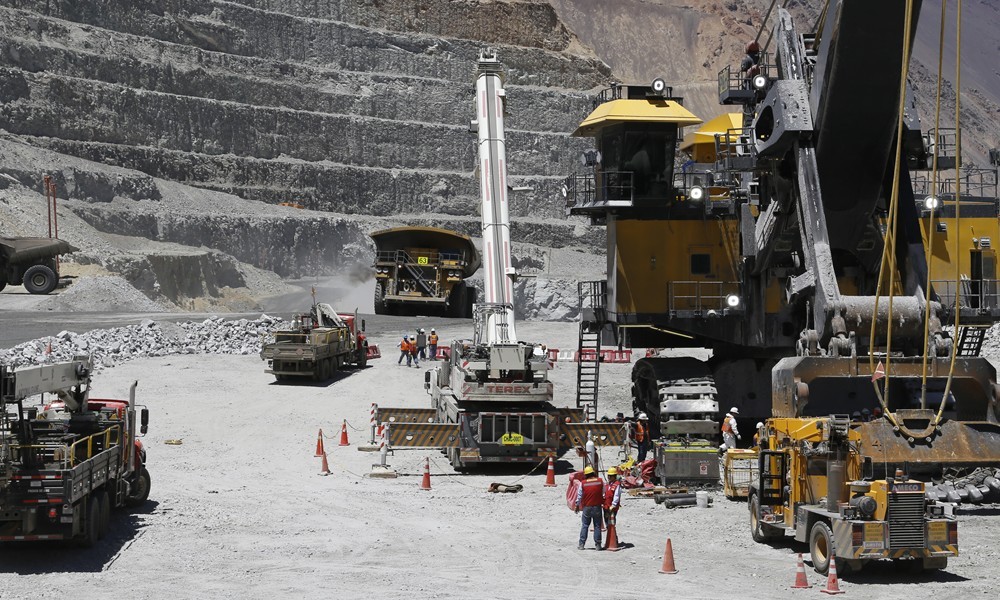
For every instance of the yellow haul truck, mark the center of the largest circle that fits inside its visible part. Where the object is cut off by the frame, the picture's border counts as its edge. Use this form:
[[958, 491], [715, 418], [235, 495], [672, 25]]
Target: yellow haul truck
[[815, 481], [422, 270]]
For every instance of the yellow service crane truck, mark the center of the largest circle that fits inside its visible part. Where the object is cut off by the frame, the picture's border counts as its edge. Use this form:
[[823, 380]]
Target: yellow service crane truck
[[815, 481]]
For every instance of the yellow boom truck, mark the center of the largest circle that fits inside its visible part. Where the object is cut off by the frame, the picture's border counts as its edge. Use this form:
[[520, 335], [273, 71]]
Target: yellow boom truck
[[815, 481]]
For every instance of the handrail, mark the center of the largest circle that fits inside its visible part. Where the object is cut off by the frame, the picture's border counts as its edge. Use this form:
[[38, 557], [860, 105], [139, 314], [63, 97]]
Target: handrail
[[66, 455]]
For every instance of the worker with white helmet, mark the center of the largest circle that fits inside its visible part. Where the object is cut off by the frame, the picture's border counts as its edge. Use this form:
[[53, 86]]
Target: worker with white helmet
[[730, 433], [432, 343], [404, 350], [758, 437], [642, 435]]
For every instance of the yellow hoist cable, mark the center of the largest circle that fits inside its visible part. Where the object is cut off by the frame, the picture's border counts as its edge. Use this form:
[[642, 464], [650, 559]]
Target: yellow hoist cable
[[888, 249], [930, 224], [958, 199]]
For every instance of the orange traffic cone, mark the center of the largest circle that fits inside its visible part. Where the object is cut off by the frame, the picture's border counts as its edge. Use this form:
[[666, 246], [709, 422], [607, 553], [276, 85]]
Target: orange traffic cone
[[343, 434], [320, 451], [325, 469], [800, 576], [832, 585], [426, 483], [550, 474], [668, 560], [611, 542]]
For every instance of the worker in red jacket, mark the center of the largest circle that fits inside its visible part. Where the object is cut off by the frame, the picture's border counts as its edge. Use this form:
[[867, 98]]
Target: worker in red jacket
[[612, 500], [590, 499]]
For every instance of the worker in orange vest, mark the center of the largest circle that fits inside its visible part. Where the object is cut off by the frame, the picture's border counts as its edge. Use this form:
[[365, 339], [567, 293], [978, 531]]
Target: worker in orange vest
[[612, 500], [404, 351], [432, 343], [590, 499], [642, 435], [413, 352]]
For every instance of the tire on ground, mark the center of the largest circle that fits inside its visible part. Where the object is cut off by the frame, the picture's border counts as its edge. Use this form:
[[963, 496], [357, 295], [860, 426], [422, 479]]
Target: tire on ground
[[92, 524], [760, 532], [821, 549], [105, 524], [40, 279], [140, 489]]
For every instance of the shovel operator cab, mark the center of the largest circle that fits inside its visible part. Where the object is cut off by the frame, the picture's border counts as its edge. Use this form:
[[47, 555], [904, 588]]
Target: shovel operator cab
[[68, 462], [815, 482]]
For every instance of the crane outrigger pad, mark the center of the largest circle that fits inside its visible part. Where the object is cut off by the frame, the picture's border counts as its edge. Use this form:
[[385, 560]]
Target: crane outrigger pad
[[423, 435], [602, 434]]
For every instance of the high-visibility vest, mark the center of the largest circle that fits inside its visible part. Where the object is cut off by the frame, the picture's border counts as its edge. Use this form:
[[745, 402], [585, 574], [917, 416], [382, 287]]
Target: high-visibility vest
[[433, 339], [640, 431], [726, 427], [609, 493], [404, 345], [593, 492]]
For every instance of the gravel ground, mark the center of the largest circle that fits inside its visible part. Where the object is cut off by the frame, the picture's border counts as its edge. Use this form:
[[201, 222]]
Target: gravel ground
[[239, 507]]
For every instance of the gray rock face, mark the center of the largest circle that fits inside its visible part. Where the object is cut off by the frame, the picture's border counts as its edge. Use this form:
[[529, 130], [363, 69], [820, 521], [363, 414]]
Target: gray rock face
[[293, 102], [354, 107]]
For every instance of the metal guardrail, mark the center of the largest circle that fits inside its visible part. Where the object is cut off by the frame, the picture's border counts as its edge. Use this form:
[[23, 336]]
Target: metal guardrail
[[982, 295], [616, 187], [701, 296], [732, 79], [454, 259], [70, 455], [976, 182]]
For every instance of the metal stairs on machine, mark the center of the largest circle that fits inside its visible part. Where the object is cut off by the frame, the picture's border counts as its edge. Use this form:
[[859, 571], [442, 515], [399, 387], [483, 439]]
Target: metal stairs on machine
[[588, 370], [416, 274], [970, 341]]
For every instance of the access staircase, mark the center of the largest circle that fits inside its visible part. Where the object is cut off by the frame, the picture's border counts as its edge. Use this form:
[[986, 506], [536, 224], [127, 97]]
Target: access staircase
[[593, 318]]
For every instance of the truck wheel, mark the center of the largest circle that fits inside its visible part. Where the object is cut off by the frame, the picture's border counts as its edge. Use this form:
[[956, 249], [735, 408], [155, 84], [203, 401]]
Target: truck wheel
[[39, 279], [140, 489], [3, 280], [760, 532], [105, 523], [457, 300], [379, 299], [92, 526], [821, 549]]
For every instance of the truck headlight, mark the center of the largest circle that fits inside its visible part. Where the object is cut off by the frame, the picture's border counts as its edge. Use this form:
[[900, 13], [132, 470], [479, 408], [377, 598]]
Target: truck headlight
[[696, 193], [732, 301]]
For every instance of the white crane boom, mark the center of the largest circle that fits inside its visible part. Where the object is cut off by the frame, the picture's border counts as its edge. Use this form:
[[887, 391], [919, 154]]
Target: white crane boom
[[498, 320]]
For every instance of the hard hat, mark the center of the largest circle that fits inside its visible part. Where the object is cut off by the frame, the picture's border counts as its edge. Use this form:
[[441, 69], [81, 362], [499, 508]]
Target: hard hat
[[643, 417], [753, 48], [421, 330], [759, 424], [734, 410], [432, 330], [612, 471], [588, 470]]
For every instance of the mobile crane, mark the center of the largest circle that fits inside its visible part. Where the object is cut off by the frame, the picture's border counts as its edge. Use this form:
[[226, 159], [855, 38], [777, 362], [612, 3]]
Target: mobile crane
[[815, 481], [67, 463], [771, 256], [492, 399]]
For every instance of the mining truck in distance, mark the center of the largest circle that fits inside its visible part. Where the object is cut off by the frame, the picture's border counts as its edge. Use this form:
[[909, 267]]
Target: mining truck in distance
[[31, 262], [422, 270], [67, 463], [317, 344]]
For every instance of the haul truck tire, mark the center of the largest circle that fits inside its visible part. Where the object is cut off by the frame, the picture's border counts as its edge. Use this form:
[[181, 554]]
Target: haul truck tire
[[40, 279], [379, 299]]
